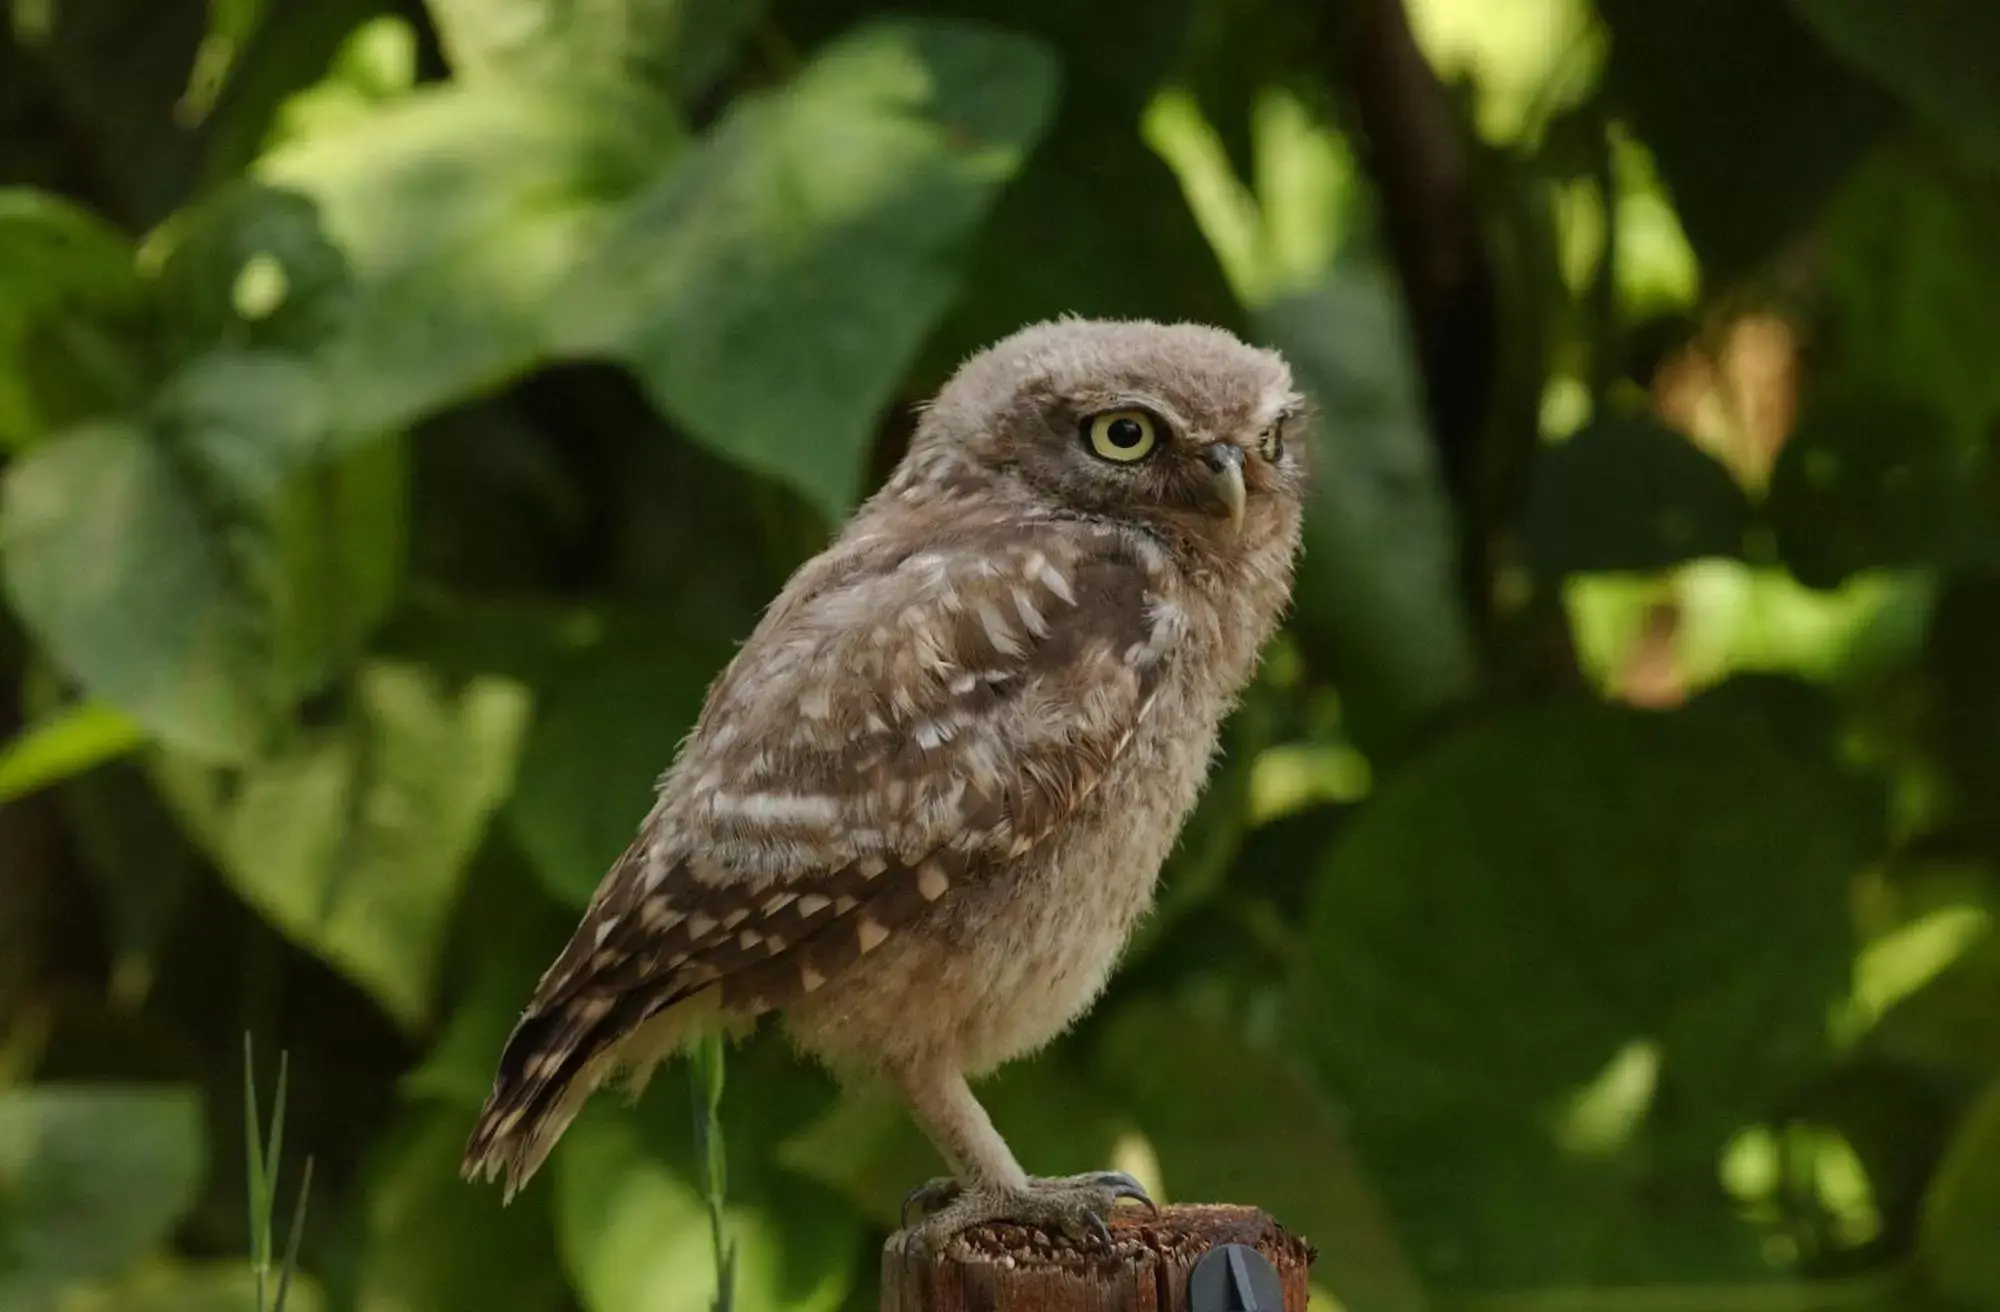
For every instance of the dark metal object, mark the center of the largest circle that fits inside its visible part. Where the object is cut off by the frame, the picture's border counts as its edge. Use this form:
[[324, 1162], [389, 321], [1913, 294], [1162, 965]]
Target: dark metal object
[[1234, 1278]]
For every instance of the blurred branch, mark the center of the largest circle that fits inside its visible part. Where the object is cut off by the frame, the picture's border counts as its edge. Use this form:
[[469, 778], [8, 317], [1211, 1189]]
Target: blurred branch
[[1414, 148]]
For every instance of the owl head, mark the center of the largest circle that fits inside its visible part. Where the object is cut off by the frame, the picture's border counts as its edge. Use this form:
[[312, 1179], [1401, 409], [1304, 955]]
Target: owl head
[[1182, 428]]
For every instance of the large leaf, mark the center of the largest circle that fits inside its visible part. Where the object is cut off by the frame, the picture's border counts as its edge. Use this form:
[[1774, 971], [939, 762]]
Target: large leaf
[[1753, 123], [679, 45], [1378, 585], [115, 569], [1957, 1240], [1560, 888], [1913, 287], [1867, 482], [607, 726], [1938, 59], [772, 291], [461, 210], [432, 1243], [1290, 1155], [356, 842], [634, 1229], [73, 740], [60, 269], [204, 574], [92, 1177], [1629, 493]]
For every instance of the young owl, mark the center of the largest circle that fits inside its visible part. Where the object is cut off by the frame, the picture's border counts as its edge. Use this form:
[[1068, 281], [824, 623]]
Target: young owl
[[925, 804]]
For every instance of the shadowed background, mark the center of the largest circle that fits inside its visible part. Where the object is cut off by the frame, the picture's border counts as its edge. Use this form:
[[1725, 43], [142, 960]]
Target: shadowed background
[[404, 408]]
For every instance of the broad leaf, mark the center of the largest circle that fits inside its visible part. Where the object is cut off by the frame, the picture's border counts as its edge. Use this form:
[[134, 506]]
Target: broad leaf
[[1379, 582], [1938, 59], [74, 740], [355, 843], [1752, 123], [60, 269], [1957, 1239], [771, 292], [461, 211], [678, 45], [1629, 494], [1567, 899], [431, 1242], [92, 1178], [1867, 483], [606, 728], [115, 568], [634, 1229]]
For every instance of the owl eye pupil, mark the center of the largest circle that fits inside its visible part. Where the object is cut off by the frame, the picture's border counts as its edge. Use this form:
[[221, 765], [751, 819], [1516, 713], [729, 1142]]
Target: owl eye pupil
[[1124, 433]]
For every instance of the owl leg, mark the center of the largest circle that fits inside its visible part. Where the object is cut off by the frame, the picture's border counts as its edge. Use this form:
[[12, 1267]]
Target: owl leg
[[990, 1185]]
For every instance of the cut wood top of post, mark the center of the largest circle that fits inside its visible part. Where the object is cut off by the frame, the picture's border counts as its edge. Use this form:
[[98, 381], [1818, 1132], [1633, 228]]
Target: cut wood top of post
[[1013, 1268]]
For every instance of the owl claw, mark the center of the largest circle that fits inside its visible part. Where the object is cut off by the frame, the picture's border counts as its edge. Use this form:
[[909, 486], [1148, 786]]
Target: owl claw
[[929, 1197], [1074, 1206]]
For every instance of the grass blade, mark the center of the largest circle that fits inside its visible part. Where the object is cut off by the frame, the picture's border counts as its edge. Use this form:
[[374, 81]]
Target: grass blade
[[292, 1240]]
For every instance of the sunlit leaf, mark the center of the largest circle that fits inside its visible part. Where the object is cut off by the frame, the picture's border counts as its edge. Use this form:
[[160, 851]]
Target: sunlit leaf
[[461, 211], [432, 1242], [92, 1177], [634, 1229], [771, 291], [114, 567], [1510, 915], [73, 740], [355, 843], [678, 45]]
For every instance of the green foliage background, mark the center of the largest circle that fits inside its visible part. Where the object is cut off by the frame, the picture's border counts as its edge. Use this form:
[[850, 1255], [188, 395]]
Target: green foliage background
[[404, 407]]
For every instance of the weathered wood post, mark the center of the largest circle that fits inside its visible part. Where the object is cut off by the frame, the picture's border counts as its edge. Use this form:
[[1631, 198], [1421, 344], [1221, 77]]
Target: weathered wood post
[[1010, 1268]]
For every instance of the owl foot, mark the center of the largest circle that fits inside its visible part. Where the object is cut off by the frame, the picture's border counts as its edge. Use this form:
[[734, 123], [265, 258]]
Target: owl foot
[[1071, 1205]]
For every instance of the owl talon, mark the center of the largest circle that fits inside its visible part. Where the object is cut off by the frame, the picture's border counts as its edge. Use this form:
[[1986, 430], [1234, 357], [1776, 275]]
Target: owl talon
[[1073, 1206], [929, 1197]]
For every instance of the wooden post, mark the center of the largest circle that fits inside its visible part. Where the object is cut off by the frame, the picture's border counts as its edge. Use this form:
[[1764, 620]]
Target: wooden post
[[1010, 1268]]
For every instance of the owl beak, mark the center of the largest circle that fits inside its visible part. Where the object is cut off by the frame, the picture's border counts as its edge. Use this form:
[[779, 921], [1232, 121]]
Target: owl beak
[[1225, 471]]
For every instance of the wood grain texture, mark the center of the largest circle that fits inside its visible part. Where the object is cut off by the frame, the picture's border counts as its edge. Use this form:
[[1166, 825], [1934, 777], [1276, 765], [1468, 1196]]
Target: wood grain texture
[[1010, 1268]]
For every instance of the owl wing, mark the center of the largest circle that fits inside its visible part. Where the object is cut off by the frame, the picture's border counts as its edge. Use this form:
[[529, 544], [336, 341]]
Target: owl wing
[[896, 727]]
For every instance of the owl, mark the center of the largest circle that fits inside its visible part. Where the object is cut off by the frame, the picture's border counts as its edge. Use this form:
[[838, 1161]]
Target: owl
[[924, 806]]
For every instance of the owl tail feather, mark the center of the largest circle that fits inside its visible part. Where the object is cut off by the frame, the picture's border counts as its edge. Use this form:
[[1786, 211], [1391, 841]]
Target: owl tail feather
[[555, 1060]]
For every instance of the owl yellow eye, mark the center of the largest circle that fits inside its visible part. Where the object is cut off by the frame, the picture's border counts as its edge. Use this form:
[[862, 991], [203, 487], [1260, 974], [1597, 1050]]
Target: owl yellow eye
[[1123, 435]]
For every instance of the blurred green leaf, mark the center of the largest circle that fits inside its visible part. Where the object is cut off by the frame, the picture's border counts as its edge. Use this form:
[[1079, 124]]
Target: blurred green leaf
[[634, 1231], [432, 1242], [1956, 1245], [678, 45], [251, 268], [144, 867], [1378, 585], [1276, 1137], [180, 1287], [59, 266], [1938, 59], [74, 740], [112, 565], [356, 842], [1961, 652], [1513, 913], [1753, 124], [1867, 483], [607, 725], [771, 292], [1913, 287], [462, 210], [1627, 493], [91, 1178]]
